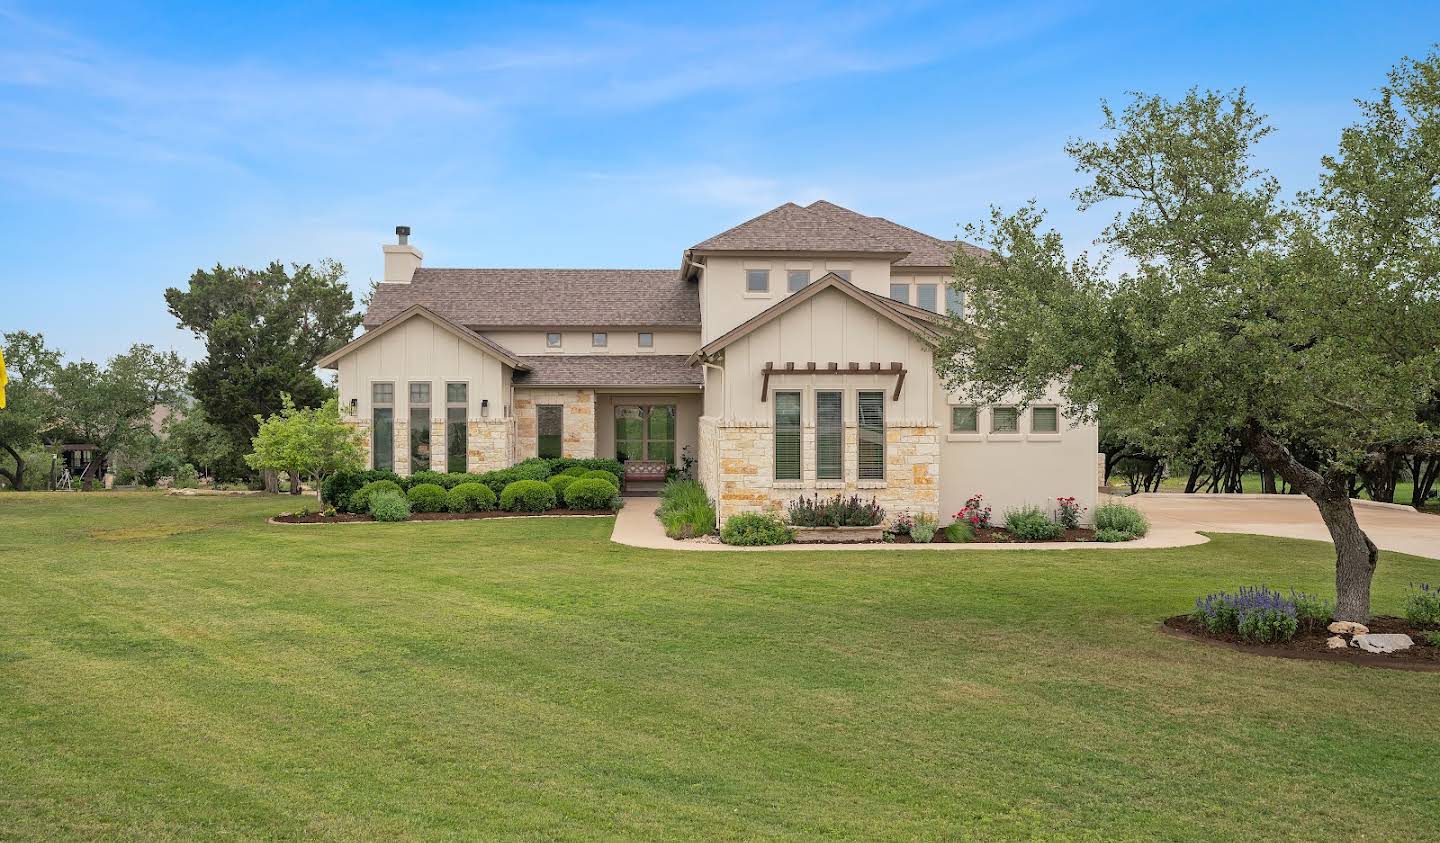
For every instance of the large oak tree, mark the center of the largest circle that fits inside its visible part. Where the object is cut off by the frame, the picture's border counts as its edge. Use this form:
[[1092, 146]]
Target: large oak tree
[[1304, 325]]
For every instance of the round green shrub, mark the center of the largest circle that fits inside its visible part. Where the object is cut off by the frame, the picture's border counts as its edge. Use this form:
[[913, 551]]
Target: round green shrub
[[1122, 517], [1110, 534], [427, 497], [420, 477], [751, 529], [590, 493], [559, 482], [360, 500], [527, 496], [575, 471], [470, 497], [1030, 524], [389, 505], [602, 474]]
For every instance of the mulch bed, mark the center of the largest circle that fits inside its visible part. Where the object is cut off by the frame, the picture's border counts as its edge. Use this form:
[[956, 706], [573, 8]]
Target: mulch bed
[[999, 535], [1310, 644], [350, 518]]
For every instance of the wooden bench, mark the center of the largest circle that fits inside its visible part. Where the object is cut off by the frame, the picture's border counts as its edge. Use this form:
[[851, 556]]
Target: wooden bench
[[645, 471]]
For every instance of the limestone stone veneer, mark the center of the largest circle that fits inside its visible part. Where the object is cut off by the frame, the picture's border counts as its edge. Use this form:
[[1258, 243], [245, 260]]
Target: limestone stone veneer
[[579, 424]]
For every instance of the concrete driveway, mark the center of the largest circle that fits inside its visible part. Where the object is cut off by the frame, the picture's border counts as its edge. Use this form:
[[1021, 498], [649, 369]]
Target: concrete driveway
[[1390, 526]]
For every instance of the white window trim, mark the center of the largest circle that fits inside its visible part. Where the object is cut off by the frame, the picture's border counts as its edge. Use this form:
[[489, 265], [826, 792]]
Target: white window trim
[[977, 435], [890, 294], [1045, 435], [767, 293], [809, 279], [992, 435], [645, 349], [605, 346], [558, 348]]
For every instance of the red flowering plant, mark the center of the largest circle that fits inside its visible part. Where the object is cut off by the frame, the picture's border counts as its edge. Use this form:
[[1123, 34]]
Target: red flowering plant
[[975, 513], [1067, 513]]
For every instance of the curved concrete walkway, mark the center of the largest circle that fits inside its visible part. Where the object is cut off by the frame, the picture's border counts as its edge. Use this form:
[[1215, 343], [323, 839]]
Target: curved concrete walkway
[[1175, 521]]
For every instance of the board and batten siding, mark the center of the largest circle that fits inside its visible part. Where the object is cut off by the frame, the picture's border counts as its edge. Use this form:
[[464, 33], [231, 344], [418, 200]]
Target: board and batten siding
[[419, 350]]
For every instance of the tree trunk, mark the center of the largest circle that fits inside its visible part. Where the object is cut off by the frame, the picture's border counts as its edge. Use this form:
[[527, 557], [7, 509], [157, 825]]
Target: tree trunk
[[271, 480], [1267, 480], [295, 482], [1423, 471], [16, 477], [1194, 478], [1355, 554]]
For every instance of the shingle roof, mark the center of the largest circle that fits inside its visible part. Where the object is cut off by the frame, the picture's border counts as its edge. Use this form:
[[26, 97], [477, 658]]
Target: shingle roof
[[608, 370], [826, 227], [545, 298]]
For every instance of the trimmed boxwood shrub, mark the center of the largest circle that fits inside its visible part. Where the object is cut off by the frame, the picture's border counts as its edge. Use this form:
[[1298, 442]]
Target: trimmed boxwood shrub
[[389, 505], [590, 493], [360, 501], [470, 497], [338, 487], [1122, 517], [527, 496], [751, 529], [563, 465], [428, 497], [602, 474], [573, 471], [559, 483], [434, 478]]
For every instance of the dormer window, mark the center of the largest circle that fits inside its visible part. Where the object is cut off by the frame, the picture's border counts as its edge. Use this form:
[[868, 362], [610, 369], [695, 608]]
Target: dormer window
[[757, 280], [552, 340], [900, 293], [599, 339], [645, 339], [796, 279], [927, 296]]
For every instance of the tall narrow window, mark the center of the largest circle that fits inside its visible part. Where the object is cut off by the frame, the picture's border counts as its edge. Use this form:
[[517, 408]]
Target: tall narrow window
[[382, 426], [1044, 420], [954, 301], [550, 424], [926, 297], [419, 427], [796, 279], [757, 280], [787, 436], [457, 434], [900, 293], [829, 435], [871, 412]]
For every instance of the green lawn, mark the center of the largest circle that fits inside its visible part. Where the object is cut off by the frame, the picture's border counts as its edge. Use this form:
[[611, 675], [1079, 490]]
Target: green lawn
[[177, 669]]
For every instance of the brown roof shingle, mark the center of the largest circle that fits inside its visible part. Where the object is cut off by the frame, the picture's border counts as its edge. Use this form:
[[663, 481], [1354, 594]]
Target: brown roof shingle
[[608, 370], [545, 298]]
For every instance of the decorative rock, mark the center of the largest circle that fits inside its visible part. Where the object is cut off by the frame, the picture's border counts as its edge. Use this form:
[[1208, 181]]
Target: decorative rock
[[1336, 642], [1348, 628], [1383, 643]]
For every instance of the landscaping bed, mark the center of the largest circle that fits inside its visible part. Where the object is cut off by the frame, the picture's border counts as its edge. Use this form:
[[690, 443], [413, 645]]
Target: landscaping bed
[[1311, 644], [999, 535], [350, 517]]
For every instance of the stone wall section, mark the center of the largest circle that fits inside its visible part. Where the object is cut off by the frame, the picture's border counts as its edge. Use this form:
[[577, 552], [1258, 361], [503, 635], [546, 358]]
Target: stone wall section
[[578, 440], [489, 445]]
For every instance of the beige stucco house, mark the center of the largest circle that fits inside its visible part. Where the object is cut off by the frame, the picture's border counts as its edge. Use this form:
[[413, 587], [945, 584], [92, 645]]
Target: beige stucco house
[[790, 355]]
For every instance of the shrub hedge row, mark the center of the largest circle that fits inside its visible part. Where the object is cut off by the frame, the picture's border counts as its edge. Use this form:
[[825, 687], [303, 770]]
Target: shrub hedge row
[[339, 489]]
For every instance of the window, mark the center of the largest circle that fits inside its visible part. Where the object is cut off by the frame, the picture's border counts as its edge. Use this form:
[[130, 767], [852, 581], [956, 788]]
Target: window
[[843, 273], [1004, 420], [419, 427], [926, 297], [645, 433], [870, 408], [382, 426], [599, 339], [900, 292], [964, 420], [1044, 420], [829, 435], [457, 432], [550, 426], [954, 301], [552, 340], [645, 340], [787, 436], [757, 280], [796, 279]]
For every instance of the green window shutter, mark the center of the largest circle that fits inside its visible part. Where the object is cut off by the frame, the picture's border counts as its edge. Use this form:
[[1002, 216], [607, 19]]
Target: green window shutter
[[787, 436], [870, 408], [829, 435]]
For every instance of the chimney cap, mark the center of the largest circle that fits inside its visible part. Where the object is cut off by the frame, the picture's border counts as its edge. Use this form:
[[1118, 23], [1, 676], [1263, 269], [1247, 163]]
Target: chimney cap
[[402, 230]]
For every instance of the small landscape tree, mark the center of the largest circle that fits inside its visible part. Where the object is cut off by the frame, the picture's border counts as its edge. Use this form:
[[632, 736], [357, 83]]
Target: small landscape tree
[[311, 443]]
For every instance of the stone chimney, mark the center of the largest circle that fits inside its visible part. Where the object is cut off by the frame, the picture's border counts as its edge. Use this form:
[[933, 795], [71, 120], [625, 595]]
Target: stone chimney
[[401, 259]]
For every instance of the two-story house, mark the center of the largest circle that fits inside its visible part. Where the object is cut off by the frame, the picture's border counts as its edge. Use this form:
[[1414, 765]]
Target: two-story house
[[789, 355]]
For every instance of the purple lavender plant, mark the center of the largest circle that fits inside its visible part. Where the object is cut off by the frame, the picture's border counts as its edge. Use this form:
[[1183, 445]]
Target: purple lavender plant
[[1255, 613]]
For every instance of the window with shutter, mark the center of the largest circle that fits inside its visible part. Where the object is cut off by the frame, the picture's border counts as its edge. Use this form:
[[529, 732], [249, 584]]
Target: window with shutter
[[1044, 420], [870, 408], [787, 436], [829, 435]]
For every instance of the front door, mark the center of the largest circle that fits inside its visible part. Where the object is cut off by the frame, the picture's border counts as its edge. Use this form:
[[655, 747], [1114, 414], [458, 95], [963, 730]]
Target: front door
[[645, 432]]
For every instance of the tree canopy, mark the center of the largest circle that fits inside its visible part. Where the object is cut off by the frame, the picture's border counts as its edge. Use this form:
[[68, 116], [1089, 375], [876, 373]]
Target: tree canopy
[[1308, 325], [264, 331], [306, 443], [30, 408]]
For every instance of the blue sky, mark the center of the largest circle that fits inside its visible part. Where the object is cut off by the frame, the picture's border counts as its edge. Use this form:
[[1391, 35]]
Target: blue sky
[[141, 141]]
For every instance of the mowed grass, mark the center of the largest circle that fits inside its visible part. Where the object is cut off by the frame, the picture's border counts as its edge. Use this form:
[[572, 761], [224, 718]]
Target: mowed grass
[[177, 669]]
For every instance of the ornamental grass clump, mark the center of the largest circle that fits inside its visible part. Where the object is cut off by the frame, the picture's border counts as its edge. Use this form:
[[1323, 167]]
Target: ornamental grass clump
[[838, 511], [1422, 605], [1257, 614], [1122, 517], [686, 511]]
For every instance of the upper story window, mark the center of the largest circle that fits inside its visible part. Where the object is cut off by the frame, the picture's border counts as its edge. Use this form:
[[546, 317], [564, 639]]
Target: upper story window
[[644, 339], [900, 293], [757, 280], [843, 273], [954, 301], [420, 393], [927, 296], [796, 279], [599, 339], [1044, 420], [382, 393], [1004, 420], [552, 340]]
